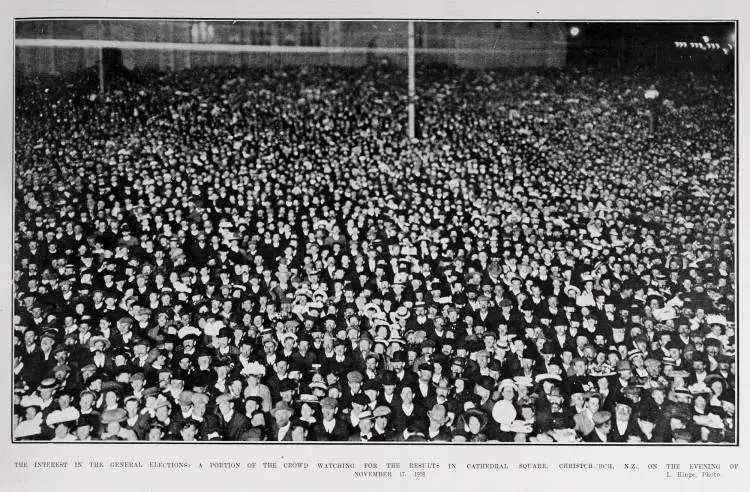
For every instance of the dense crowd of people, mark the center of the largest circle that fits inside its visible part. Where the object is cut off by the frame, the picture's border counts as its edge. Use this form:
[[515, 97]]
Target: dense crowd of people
[[262, 255]]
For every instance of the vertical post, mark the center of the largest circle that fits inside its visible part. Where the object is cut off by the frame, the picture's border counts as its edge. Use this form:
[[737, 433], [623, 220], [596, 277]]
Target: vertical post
[[411, 79], [651, 120], [52, 51], [101, 59]]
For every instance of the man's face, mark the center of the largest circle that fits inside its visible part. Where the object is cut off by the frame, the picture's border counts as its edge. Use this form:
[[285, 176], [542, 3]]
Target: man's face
[[623, 412], [328, 413], [282, 418], [593, 404], [154, 434], [226, 406], [299, 434], [281, 367], [188, 433], [365, 426], [46, 344], [83, 432], [407, 395]]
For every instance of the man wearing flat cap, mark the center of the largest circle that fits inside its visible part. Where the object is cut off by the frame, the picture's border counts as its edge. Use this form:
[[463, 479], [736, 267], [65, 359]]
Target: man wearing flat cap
[[353, 387], [330, 427], [382, 431], [363, 432]]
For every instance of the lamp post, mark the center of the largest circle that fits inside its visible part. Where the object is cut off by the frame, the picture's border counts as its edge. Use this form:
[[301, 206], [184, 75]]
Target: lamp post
[[412, 84], [651, 95]]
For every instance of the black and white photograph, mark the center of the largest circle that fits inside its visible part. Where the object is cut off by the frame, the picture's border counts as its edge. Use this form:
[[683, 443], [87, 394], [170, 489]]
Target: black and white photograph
[[374, 231]]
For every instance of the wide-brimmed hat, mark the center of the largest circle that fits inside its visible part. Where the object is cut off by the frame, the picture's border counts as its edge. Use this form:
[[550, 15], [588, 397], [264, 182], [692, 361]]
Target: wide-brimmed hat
[[115, 415], [503, 412], [479, 414], [99, 338]]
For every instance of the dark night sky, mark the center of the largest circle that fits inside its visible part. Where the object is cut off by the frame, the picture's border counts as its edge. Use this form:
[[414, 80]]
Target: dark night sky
[[648, 44]]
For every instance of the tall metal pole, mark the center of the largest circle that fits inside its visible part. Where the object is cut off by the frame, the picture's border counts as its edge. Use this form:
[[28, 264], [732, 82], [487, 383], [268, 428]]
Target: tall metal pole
[[411, 79], [101, 60]]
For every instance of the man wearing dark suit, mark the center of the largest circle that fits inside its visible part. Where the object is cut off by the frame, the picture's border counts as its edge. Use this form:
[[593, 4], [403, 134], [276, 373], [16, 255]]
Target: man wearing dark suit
[[424, 388], [403, 377], [341, 362], [123, 336], [232, 423], [359, 356], [330, 428], [408, 412], [381, 431], [562, 340]]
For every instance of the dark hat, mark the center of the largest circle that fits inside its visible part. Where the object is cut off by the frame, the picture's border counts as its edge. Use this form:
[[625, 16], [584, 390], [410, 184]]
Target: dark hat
[[388, 378], [361, 399], [683, 435], [287, 385], [486, 382], [399, 356], [648, 414], [257, 399], [428, 344], [565, 422], [728, 396], [90, 420], [225, 332], [151, 391], [370, 384], [623, 400]]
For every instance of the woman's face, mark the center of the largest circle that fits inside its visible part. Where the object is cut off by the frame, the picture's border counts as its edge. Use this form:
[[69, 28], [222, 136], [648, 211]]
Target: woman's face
[[717, 388], [111, 399], [700, 403]]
